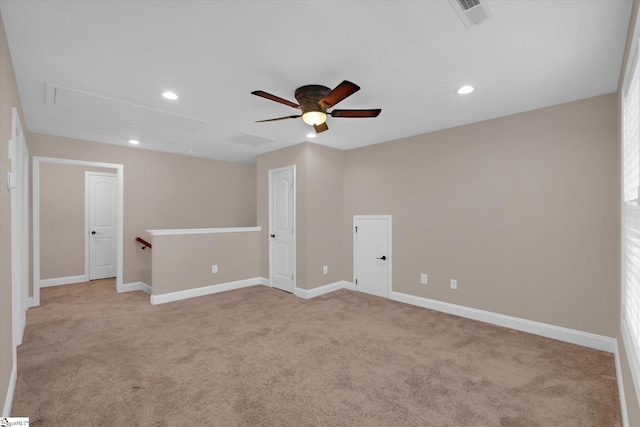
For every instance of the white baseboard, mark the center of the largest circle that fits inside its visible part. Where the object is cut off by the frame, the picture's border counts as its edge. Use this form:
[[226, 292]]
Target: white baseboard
[[31, 302], [621, 396], [321, 290], [349, 285], [147, 289], [205, 290], [57, 281], [265, 282], [137, 286], [586, 339], [8, 402]]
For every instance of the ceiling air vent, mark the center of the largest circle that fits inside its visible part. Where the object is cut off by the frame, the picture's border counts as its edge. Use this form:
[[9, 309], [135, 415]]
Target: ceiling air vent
[[472, 12]]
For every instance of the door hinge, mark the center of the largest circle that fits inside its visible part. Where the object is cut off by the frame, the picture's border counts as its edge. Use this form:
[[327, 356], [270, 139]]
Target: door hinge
[[356, 281], [356, 229], [292, 277]]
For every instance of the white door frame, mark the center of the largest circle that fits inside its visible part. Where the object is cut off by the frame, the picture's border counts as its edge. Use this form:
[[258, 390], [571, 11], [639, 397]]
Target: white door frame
[[19, 174], [389, 245], [87, 208], [270, 174], [119, 168]]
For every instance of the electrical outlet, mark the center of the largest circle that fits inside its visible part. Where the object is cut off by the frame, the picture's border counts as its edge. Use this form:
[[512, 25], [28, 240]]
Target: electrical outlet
[[214, 269], [423, 279], [325, 269], [454, 284]]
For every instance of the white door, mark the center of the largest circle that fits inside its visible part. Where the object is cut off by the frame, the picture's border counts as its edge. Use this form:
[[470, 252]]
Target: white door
[[19, 187], [103, 227], [372, 254], [282, 228]]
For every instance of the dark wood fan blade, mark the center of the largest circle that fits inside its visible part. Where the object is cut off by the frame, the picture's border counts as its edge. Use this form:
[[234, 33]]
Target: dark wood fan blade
[[279, 118], [343, 90], [356, 113], [321, 128], [266, 95]]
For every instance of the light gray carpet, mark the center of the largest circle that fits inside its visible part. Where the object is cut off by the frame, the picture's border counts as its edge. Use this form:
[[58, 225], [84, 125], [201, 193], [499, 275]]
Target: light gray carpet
[[261, 357]]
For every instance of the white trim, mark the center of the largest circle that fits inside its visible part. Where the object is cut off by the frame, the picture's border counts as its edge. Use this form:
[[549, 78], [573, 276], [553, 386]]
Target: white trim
[[631, 355], [265, 281], [631, 58], [137, 286], [11, 389], [31, 302], [57, 281], [205, 290], [586, 339], [349, 285], [26, 200], [202, 231], [147, 289], [35, 300], [621, 396], [35, 235], [321, 290]]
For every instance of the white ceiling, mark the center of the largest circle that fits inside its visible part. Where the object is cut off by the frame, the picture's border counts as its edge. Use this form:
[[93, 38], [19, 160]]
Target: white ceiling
[[409, 57]]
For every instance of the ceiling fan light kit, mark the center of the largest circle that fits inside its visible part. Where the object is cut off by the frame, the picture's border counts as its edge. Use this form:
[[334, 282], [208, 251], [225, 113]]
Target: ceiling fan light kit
[[313, 102], [314, 118]]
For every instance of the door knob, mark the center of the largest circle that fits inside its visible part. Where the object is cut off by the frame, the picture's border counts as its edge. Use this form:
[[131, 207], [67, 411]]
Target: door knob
[[273, 236], [382, 257]]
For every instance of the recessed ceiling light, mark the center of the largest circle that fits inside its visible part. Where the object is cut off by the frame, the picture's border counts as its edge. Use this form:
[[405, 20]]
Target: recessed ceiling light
[[134, 142], [169, 95], [311, 135], [465, 90]]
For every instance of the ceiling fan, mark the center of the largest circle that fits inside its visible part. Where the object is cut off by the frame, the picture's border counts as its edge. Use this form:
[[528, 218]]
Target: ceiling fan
[[314, 100]]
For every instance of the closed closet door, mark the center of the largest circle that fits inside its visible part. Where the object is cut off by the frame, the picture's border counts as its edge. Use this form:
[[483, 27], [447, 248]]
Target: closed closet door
[[372, 254]]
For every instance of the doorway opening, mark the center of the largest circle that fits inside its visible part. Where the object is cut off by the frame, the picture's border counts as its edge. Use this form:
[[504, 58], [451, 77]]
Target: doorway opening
[[34, 301]]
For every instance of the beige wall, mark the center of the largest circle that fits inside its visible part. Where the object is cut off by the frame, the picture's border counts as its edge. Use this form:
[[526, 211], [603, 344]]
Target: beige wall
[[319, 200], [521, 210], [9, 98], [182, 262], [163, 191], [62, 219], [631, 398], [295, 155], [325, 177]]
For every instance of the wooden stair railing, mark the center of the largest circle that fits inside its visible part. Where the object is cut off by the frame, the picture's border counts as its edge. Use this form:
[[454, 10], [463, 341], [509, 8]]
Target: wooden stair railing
[[144, 243]]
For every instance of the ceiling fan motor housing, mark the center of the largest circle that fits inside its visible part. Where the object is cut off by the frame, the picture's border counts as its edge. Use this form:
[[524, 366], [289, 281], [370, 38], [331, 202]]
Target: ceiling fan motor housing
[[309, 96]]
